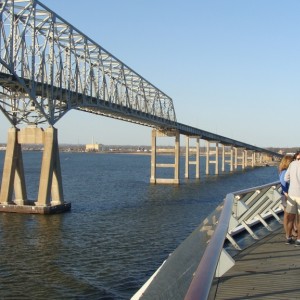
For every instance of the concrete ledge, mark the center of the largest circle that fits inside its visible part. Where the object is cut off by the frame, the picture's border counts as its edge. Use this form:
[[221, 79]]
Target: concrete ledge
[[166, 181], [32, 209]]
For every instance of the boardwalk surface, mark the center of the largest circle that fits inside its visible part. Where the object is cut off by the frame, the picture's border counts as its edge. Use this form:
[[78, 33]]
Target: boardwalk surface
[[269, 269]]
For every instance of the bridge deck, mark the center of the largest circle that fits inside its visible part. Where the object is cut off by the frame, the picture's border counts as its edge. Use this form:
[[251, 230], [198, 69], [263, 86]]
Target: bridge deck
[[269, 269]]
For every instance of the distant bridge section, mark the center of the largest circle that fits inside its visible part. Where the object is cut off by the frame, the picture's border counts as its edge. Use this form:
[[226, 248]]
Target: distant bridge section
[[208, 136]]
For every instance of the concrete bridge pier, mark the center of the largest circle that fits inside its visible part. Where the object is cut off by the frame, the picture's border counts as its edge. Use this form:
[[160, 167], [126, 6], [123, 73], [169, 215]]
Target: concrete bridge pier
[[239, 157], [250, 158], [260, 158], [215, 154], [189, 152], [227, 157], [155, 151], [254, 158], [246, 158], [13, 194]]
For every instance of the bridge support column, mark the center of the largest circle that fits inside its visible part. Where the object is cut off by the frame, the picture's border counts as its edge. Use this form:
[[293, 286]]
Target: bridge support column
[[155, 151], [231, 159], [253, 159], [239, 158], [227, 157], [50, 180], [235, 158], [13, 179], [209, 153], [249, 159], [223, 158], [243, 159], [190, 151], [246, 158]]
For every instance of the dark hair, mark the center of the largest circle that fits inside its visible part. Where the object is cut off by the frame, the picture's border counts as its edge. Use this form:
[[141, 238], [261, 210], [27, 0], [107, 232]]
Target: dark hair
[[296, 154]]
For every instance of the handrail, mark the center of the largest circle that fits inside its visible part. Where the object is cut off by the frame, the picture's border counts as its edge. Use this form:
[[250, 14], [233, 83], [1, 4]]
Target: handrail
[[200, 286], [190, 271], [201, 283], [245, 191]]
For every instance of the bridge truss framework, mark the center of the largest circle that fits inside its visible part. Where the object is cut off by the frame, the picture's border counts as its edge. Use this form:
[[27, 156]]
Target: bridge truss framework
[[48, 67]]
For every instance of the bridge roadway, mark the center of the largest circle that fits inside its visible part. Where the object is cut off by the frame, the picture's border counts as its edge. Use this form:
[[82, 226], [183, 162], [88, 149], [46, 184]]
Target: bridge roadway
[[101, 107], [269, 269], [48, 66]]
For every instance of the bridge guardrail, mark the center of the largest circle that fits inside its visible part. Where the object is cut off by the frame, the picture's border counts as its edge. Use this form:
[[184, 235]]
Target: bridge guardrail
[[241, 210], [192, 268]]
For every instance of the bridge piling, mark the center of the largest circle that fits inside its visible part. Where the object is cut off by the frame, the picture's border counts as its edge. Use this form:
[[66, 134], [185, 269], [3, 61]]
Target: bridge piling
[[215, 153], [155, 150], [13, 179], [50, 195], [227, 157], [239, 158], [188, 153]]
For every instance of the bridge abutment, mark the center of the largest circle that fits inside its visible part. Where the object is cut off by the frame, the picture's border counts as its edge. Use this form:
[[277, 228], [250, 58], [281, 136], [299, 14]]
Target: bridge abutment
[[13, 194]]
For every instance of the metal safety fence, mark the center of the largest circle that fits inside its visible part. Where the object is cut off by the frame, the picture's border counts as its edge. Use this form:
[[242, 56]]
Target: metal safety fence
[[191, 269]]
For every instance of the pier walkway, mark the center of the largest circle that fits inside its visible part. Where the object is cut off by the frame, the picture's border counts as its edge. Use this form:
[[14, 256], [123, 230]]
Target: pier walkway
[[269, 269]]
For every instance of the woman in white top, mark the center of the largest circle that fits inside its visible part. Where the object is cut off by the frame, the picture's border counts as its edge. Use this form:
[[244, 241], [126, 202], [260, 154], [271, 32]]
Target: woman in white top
[[292, 175]]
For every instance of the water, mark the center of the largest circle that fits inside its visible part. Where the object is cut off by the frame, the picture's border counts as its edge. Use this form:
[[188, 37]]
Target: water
[[119, 231]]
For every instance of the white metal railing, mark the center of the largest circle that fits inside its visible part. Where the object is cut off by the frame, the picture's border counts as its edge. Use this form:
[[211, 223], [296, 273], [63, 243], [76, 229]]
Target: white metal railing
[[241, 210], [190, 270]]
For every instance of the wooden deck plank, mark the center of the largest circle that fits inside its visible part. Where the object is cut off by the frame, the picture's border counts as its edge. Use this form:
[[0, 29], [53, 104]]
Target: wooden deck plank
[[269, 269]]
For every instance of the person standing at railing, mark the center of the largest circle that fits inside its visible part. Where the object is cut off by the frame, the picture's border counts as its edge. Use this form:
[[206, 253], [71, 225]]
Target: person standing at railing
[[292, 176], [284, 164]]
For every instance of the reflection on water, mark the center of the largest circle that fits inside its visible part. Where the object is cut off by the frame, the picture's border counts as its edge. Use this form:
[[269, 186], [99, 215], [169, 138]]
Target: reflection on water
[[119, 231]]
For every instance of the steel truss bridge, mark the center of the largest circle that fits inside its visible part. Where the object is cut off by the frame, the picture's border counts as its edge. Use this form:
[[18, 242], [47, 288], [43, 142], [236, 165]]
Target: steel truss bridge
[[48, 67]]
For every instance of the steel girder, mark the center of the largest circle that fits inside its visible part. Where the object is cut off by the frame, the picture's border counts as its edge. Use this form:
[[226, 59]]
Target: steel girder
[[48, 67]]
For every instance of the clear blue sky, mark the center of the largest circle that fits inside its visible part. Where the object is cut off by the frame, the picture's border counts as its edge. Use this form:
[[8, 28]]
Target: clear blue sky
[[231, 67]]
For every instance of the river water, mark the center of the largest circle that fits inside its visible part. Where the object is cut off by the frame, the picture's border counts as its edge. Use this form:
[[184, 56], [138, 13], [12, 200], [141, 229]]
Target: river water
[[119, 231]]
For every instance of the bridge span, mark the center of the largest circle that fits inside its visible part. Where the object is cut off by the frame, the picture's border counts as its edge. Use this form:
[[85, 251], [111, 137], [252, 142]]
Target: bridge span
[[47, 68]]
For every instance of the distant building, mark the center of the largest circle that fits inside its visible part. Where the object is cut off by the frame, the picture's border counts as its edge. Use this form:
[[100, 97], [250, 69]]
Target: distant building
[[92, 147], [280, 151]]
